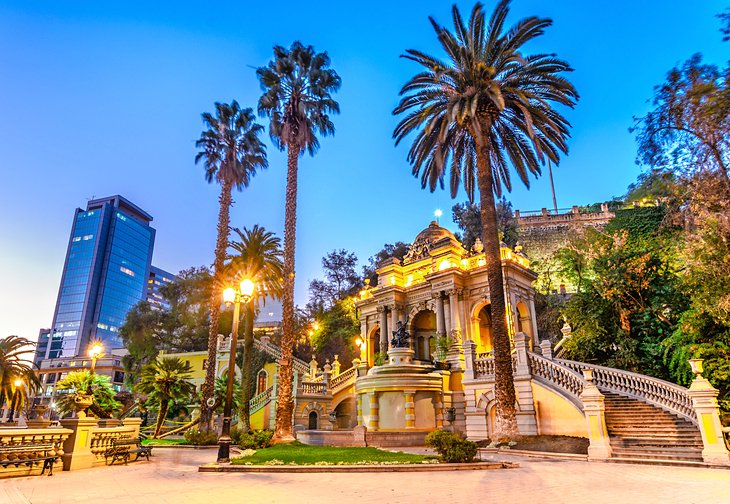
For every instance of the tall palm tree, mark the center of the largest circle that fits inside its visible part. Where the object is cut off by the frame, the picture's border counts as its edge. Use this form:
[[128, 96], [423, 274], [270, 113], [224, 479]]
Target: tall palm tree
[[13, 367], [256, 256], [232, 152], [298, 86], [485, 108], [165, 381]]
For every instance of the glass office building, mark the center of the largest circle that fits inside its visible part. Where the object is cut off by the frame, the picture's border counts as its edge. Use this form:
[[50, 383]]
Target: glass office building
[[105, 274]]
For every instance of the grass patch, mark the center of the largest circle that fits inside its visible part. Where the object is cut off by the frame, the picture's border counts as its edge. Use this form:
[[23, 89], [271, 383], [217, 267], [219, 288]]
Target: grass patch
[[165, 442], [301, 454]]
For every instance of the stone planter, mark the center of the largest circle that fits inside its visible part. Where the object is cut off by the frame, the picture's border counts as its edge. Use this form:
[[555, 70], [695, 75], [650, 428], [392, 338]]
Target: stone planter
[[38, 423], [82, 403]]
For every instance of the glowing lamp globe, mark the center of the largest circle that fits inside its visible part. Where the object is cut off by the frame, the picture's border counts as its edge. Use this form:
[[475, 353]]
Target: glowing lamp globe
[[229, 295], [18, 383], [247, 287], [95, 350]]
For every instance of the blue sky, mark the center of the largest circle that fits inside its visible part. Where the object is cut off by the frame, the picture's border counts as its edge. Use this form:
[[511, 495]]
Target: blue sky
[[102, 98]]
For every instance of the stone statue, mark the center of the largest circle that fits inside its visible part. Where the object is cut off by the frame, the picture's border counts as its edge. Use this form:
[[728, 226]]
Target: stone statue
[[400, 335]]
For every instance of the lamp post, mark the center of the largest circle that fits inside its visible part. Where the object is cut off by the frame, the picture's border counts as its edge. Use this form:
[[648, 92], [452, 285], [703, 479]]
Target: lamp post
[[244, 294], [18, 383], [95, 351]]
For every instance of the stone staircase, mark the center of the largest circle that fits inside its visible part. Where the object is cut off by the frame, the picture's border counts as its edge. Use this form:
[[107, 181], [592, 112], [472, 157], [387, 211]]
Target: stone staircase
[[639, 430]]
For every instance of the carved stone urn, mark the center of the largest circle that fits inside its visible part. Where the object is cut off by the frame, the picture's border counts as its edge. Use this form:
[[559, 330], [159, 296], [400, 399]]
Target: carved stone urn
[[82, 403]]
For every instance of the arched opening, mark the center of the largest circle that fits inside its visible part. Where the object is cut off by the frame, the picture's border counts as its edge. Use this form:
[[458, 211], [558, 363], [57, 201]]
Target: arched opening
[[423, 334], [261, 380], [524, 322], [313, 420], [485, 330], [346, 414], [373, 345]]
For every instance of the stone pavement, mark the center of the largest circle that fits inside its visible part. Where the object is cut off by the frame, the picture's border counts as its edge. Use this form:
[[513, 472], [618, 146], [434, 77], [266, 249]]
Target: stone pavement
[[172, 477]]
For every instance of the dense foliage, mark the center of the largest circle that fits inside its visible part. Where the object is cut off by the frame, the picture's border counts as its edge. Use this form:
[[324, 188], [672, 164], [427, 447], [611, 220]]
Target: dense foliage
[[451, 446], [83, 382]]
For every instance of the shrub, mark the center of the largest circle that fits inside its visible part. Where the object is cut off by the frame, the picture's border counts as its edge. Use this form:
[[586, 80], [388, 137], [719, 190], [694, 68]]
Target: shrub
[[254, 440], [195, 437], [451, 446]]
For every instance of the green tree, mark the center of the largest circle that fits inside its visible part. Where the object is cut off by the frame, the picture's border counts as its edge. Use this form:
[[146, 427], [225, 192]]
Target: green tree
[[468, 217], [232, 153], [341, 280], [80, 382], [166, 381], [143, 336], [13, 367], [688, 129], [297, 98], [257, 256], [487, 107]]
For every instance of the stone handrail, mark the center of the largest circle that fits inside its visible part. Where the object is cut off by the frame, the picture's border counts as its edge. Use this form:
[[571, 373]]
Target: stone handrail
[[102, 438], [663, 394], [343, 379], [18, 438], [567, 380], [484, 367], [259, 401], [312, 388], [299, 365]]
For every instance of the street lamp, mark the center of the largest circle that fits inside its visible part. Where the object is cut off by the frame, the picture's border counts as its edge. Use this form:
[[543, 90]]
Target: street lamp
[[18, 383], [244, 294], [95, 351]]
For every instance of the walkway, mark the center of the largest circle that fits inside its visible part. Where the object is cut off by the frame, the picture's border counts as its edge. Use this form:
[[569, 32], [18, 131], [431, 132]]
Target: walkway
[[172, 477]]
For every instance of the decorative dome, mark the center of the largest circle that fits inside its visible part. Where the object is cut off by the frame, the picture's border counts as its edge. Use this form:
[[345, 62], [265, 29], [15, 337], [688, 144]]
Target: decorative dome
[[433, 233], [426, 240]]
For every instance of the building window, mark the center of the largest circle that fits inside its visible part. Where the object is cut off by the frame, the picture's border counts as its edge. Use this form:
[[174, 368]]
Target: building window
[[126, 270]]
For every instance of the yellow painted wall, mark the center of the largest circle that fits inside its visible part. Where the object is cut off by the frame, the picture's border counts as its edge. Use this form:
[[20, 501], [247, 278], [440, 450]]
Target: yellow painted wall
[[556, 415]]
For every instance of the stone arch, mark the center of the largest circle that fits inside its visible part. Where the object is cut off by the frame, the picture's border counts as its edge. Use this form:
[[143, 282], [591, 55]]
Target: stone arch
[[224, 372], [481, 316], [487, 402], [524, 319], [373, 343], [423, 334]]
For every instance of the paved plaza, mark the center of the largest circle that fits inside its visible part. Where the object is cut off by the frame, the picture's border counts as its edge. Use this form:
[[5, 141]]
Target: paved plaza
[[172, 477]]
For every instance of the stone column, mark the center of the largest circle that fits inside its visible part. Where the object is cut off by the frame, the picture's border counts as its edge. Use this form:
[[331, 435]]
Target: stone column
[[440, 323], [470, 355], [454, 317], [594, 411], [704, 402], [365, 339], [547, 349], [383, 328], [134, 423], [359, 409], [410, 408], [77, 448], [395, 316], [374, 411], [439, 406], [526, 418]]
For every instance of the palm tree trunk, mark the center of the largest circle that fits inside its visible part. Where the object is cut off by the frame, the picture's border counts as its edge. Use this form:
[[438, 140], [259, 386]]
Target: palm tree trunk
[[506, 420], [206, 413], [285, 405], [161, 415], [247, 363]]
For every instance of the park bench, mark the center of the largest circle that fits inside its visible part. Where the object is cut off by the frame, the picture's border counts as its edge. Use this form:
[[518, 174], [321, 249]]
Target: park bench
[[29, 454], [122, 448]]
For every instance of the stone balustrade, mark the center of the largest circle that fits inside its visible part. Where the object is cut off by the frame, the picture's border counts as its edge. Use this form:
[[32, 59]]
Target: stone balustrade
[[102, 439], [343, 379], [259, 401], [312, 388], [664, 394], [565, 379], [12, 438]]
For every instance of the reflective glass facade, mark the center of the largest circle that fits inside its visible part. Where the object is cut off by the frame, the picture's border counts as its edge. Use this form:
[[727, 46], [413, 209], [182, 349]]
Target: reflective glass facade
[[105, 274]]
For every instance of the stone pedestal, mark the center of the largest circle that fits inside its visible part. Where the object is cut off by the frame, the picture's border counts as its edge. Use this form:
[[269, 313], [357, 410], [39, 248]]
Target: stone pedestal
[[134, 423], [704, 402], [77, 448], [400, 356], [594, 411], [40, 423]]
